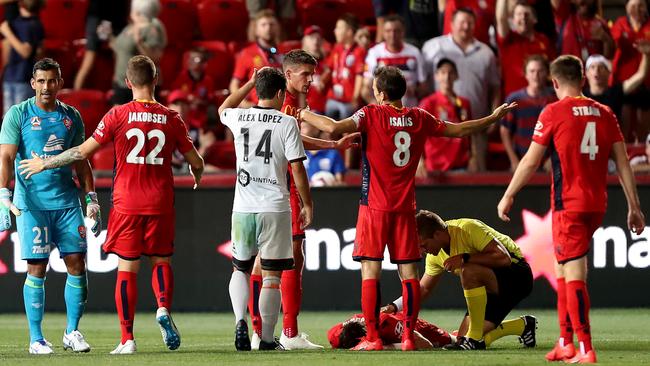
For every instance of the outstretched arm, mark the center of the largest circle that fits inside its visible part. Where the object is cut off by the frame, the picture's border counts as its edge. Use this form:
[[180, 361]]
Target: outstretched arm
[[635, 218], [503, 28], [327, 124], [36, 164], [469, 127], [345, 142]]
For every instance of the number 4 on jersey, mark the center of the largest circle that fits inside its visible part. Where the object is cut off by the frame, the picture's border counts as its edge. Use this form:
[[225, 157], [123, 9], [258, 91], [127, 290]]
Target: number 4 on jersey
[[588, 144]]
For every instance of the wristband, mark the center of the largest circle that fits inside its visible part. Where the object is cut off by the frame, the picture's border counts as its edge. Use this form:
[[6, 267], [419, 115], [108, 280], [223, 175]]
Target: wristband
[[91, 197]]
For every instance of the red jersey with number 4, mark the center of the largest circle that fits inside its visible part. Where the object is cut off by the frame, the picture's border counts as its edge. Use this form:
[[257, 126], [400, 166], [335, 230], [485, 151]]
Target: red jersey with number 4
[[145, 135], [392, 143], [580, 133]]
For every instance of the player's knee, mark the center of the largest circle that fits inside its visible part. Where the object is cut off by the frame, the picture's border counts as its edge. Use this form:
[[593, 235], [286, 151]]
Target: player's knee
[[243, 266], [37, 267], [75, 264], [272, 281], [470, 276]]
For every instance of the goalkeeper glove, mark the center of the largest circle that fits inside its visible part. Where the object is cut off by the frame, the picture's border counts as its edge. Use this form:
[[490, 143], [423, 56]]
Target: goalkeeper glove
[[5, 206], [93, 212]]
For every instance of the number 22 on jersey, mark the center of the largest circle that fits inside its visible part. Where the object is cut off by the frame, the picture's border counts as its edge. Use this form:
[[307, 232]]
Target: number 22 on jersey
[[152, 157]]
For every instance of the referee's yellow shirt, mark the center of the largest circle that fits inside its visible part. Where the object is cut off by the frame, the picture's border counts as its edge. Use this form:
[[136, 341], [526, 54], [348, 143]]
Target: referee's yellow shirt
[[469, 236]]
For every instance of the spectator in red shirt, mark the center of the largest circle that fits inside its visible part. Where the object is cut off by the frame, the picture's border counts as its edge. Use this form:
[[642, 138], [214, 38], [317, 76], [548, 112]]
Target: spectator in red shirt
[[263, 52], [198, 87], [484, 10], [581, 29], [444, 153], [312, 42], [518, 42], [347, 64]]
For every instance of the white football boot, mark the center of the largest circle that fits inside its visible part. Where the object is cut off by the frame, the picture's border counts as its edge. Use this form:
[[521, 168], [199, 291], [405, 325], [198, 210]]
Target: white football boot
[[300, 341], [127, 348], [42, 347], [255, 341], [75, 341]]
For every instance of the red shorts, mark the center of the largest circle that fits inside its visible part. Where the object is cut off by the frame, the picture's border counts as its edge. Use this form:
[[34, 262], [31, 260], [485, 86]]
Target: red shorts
[[130, 236], [377, 229], [572, 232], [296, 206]]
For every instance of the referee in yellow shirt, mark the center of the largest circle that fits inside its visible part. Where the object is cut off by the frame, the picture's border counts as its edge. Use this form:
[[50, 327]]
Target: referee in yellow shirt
[[493, 272]]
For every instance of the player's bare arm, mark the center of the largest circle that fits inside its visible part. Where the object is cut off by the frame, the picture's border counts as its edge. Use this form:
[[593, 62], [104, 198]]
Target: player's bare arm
[[494, 255], [344, 143], [327, 124], [239, 94], [524, 171], [302, 184], [7, 157], [197, 165], [36, 164], [635, 217], [469, 127]]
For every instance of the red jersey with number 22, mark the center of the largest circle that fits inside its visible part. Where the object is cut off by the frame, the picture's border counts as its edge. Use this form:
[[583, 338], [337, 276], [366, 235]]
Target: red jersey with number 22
[[145, 135], [392, 143], [580, 133]]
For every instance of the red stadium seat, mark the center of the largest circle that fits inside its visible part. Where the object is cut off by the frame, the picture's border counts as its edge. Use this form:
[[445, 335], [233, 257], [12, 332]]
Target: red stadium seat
[[101, 75], [221, 62], [323, 13], [170, 65], [222, 155], [179, 18], [64, 52], [92, 105], [364, 10], [104, 158], [224, 20], [64, 19]]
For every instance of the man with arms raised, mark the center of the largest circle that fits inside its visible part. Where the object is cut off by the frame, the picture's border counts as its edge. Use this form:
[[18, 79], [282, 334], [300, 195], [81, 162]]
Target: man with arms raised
[[142, 221]]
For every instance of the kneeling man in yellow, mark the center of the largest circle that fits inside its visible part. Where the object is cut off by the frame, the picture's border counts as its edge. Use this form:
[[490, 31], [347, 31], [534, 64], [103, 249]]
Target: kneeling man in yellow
[[493, 272]]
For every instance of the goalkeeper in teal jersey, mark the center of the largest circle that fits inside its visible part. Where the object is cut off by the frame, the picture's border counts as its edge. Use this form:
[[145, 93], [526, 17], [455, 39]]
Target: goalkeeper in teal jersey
[[47, 208]]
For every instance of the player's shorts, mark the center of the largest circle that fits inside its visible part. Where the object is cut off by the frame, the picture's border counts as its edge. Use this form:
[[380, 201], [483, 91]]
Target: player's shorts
[[572, 233], [268, 233], [515, 284], [131, 236], [41, 231], [377, 229], [296, 205]]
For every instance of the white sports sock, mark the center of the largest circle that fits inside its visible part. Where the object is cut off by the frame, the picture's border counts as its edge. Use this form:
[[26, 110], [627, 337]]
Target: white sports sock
[[270, 300], [238, 289]]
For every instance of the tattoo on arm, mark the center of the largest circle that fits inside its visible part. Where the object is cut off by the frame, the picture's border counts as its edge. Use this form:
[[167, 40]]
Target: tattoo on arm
[[65, 158]]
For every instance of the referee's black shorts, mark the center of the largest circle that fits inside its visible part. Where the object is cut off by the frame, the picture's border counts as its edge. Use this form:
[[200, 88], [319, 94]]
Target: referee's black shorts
[[515, 284]]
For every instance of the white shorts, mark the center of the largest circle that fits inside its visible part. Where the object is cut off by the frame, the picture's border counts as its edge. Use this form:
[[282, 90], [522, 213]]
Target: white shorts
[[268, 233]]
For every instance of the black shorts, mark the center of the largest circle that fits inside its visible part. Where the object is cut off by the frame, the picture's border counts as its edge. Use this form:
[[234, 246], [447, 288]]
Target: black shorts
[[515, 284]]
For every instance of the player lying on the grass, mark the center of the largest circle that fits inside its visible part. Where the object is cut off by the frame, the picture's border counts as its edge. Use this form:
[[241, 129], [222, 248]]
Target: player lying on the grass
[[393, 142], [266, 142], [47, 208], [142, 222], [494, 275], [348, 334]]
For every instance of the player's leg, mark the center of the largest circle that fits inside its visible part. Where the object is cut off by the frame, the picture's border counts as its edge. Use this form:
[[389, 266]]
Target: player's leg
[[564, 347], [254, 303], [244, 250], [69, 234], [33, 232], [158, 244], [411, 302], [578, 305]]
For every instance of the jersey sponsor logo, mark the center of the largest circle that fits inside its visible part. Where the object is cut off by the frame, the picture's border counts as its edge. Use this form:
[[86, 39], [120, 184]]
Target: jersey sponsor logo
[[147, 117], [67, 122], [53, 144], [36, 123], [82, 231], [586, 111], [538, 129], [243, 177]]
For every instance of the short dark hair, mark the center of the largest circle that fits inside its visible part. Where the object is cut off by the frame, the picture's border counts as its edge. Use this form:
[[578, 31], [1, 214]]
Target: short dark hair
[[568, 69], [32, 6], [394, 18], [465, 10], [298, 57], [390, 81], [351, 334], [445, 61], [46, 64], [536, 58], [269, 81], [351, 20], [141, 70], [428, 223]]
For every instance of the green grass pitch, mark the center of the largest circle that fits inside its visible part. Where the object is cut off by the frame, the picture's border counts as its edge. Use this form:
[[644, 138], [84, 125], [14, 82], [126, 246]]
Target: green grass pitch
[[620, 336]]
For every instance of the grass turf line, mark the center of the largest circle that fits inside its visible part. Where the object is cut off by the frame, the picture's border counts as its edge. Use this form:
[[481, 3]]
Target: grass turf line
[[620, 337]]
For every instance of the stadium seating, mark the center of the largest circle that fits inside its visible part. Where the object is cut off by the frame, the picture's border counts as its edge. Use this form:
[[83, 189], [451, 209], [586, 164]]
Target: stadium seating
[[223, 20], [220, 63], [92, 105], [364, 10], [101, 75], [63, 51], [104, 159], [179, 18], [222, 155], [323, 13], [170, 65], [64, 19]]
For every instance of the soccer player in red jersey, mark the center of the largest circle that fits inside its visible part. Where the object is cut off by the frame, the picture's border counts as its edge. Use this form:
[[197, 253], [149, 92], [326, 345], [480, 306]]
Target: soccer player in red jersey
[[348, 334], [393, 139], [582, 135], [145, 134]]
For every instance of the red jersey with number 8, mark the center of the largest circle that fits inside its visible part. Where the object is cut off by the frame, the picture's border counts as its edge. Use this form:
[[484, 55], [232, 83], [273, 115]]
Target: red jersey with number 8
[[145, 135], [580, 133], [392, 143]]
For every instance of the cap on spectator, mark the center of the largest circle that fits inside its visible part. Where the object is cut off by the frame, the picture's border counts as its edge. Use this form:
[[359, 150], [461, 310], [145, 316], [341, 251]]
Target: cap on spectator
[[313, 29], [177, 96], [598, 59]]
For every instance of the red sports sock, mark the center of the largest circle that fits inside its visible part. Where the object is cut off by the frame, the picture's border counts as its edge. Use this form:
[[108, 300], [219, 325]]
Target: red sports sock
[[254, 303], [566, 331], [411, 306], [162, 282], [291, 288], [370, 304], [578, 306], [126, 296]]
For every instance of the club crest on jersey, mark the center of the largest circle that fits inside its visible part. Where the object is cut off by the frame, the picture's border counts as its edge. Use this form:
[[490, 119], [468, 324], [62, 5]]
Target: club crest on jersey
[[36, 123], [243, 177], [67, 122], [82, 231]]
